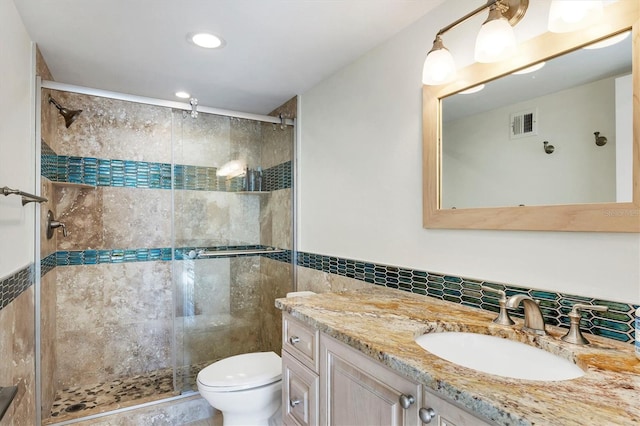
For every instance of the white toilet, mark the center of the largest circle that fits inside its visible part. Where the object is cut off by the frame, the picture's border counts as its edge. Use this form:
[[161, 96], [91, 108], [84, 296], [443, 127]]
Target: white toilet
[[246, 388]]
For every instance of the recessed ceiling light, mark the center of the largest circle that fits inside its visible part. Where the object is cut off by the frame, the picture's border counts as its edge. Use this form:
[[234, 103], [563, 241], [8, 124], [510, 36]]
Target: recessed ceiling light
[[206, 40], [183, 95]]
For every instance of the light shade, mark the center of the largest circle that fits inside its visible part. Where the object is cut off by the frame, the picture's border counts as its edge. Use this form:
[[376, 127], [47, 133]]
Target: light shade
[[572, 15], [439, 67], [496, 40]]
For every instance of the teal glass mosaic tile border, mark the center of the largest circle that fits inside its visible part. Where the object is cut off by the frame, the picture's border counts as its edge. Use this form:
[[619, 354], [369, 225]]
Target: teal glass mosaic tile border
[[141, 174], [617, 323], [15, 284], [94, 257]]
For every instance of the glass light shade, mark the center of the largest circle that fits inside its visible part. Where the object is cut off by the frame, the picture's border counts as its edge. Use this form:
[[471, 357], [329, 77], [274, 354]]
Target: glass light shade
[[439, 67], [571, 15], [496, 41]]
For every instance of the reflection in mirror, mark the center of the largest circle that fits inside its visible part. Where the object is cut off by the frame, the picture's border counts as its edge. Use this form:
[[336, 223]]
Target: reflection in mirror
[[493, 141]]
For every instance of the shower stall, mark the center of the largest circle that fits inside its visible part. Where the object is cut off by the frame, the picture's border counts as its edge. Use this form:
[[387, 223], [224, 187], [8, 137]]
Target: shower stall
[[179, 238]]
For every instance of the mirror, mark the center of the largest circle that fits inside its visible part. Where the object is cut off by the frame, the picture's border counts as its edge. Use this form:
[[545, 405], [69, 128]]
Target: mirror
[[486, 173], [493, 151]]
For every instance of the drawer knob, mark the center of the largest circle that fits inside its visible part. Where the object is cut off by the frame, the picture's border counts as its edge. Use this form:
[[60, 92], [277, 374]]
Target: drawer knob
[[294, 402], [426, 415], [294, 339], [406, 401]]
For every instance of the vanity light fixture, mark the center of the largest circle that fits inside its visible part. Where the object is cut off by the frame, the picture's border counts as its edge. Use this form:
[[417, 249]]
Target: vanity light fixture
[[495, 41], [572, 15], [206, 40]]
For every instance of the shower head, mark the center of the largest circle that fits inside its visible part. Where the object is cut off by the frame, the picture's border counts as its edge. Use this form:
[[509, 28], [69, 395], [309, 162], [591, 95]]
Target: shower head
[[69, 115]]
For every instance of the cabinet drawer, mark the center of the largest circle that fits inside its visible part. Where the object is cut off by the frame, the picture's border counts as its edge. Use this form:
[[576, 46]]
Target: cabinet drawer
[[301, 341], [299, 393]]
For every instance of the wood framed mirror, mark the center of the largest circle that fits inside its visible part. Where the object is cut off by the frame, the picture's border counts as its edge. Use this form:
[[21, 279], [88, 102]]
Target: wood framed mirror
[[610, 216]]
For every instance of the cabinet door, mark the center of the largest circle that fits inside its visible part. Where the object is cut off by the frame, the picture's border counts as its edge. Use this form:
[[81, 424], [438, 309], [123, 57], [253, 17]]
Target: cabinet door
[[440, 412], [358, 391], [299, 393]]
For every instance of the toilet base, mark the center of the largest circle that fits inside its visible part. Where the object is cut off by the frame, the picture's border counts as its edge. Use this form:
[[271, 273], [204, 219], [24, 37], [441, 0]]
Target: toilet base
[[250, 407], [254, 419]]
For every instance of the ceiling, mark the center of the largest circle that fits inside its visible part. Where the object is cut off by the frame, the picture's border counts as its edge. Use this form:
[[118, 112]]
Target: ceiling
[[275, 49]]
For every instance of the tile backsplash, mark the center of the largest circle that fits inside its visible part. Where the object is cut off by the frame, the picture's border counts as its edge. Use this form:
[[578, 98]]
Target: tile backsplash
[[617, 323]]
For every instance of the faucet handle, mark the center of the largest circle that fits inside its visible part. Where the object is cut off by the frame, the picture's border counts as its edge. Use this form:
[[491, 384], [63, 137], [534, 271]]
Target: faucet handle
[[503, 317], [574, 335], [578, 307]]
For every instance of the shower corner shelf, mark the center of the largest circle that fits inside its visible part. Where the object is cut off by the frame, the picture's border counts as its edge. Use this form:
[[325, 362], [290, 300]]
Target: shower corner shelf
[[73, 185]]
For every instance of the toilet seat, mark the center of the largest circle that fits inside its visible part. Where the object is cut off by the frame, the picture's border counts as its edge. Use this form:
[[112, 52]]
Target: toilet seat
[[240, 372]]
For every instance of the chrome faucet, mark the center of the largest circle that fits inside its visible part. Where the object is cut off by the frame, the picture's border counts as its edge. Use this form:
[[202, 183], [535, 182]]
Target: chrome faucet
[[533, 318]]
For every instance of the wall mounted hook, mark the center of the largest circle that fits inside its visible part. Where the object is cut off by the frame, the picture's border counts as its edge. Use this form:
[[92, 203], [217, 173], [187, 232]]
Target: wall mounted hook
[[600, 140], [548, 148]]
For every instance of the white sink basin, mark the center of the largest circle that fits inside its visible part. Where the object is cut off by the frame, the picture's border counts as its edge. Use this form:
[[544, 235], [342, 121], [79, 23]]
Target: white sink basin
[[501, 357]]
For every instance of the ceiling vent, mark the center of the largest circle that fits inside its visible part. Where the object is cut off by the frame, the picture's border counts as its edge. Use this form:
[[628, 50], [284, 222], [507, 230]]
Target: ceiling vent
[[523, 124]]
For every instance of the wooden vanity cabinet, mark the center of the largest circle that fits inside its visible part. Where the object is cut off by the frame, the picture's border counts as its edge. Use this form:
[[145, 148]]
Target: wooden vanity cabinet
[[356, 390], [300, 367], [326, 382]]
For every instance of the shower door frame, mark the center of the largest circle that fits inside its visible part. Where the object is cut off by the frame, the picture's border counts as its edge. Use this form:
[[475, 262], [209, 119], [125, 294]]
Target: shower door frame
[[40, 84]]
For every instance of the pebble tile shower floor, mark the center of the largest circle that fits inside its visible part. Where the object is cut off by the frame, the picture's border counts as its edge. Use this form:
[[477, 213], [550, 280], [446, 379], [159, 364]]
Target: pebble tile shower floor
[[81, 401]]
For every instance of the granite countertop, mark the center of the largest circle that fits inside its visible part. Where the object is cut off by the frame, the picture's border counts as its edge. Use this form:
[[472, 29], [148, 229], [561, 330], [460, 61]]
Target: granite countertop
[[382, 323]]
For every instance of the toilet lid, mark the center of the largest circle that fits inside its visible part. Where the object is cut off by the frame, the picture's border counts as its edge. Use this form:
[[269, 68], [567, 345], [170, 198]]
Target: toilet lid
[[242, 371]]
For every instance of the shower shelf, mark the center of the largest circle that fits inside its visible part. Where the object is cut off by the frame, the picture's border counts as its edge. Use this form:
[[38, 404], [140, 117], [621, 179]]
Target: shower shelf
[[202, 254], [72, 185], [253, 192]]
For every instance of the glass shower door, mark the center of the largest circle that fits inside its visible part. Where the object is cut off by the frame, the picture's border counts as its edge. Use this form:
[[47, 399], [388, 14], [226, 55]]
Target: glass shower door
[[224, 285]]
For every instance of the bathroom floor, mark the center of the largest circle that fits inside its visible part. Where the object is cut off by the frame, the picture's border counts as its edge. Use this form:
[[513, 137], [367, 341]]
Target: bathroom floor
[[81, 401]]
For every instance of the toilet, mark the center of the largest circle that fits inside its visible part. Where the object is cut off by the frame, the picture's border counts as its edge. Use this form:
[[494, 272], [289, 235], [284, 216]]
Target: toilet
[[246, 388]]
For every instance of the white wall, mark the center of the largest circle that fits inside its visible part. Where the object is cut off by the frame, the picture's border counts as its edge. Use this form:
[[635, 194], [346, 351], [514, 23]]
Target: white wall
[[17, 151], [360, 153], [484, 167]]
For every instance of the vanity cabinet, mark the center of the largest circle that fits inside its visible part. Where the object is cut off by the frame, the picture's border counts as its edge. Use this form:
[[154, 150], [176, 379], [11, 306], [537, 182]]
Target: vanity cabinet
[[300, 379], [356, 390], [326, 382]]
